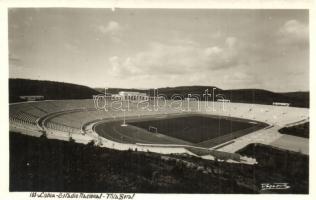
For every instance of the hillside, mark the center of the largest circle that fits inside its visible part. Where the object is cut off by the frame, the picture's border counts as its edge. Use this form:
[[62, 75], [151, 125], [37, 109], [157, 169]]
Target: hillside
[[301, 130], [258, 96], [48, 89], [40, 164], [59, 90], [267, 97]]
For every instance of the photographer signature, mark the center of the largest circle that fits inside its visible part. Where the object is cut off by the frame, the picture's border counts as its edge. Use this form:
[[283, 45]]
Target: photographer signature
[[274, 186]]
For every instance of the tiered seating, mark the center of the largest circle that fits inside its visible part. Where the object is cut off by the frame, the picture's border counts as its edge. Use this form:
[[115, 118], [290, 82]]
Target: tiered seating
[[62, 127], [75, 120], [26, 114], [78, 112], [266, 113], [26, 117]]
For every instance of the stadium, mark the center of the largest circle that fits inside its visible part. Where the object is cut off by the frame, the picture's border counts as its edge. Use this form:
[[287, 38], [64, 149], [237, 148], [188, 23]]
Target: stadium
[[158, 100], [208, 129]]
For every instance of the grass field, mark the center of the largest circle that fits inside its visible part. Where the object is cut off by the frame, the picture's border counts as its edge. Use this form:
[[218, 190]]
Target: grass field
[[185, 129], [195, 128]]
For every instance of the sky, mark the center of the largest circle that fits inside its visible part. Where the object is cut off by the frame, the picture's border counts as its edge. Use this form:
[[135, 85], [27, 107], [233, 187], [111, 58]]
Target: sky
[[151, 48]]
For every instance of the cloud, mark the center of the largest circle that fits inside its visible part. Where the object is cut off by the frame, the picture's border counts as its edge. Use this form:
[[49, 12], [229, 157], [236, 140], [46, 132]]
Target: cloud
[[231, 42], [16, 64], [175, 58], [122, 67], [14, 59], [71, 47], [112, 27], [216, 34], [240, 78], [115, 65], [293, 32], [209, 51]]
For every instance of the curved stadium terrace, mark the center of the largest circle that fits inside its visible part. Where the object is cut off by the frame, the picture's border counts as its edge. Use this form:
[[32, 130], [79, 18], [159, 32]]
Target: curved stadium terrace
[[81, 121]]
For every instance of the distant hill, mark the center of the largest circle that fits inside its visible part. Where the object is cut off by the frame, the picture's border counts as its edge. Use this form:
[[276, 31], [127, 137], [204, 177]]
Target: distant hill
[[48, 89], [59, 90], [297, 99], [258, 96], [168, 91]]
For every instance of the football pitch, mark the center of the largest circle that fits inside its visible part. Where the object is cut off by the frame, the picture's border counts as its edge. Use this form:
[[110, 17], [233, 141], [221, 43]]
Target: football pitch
[[185, 129], [195, 128]]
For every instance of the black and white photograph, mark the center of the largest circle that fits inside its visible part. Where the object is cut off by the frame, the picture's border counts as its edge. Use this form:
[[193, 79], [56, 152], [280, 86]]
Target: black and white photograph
[[112, 102]]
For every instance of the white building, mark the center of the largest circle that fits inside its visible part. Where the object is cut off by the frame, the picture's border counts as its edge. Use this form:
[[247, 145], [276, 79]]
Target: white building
[[32, 98], [116, 97], [129, 95], [223, 100], [280, 104]]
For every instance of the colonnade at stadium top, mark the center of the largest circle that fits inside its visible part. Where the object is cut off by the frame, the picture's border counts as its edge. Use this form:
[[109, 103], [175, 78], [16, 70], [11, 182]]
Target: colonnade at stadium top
[[133, 96]]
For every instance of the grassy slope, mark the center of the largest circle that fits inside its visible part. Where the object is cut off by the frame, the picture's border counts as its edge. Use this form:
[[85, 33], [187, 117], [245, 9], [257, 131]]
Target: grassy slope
[[280, 166], [38, 164], [301, 130]]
